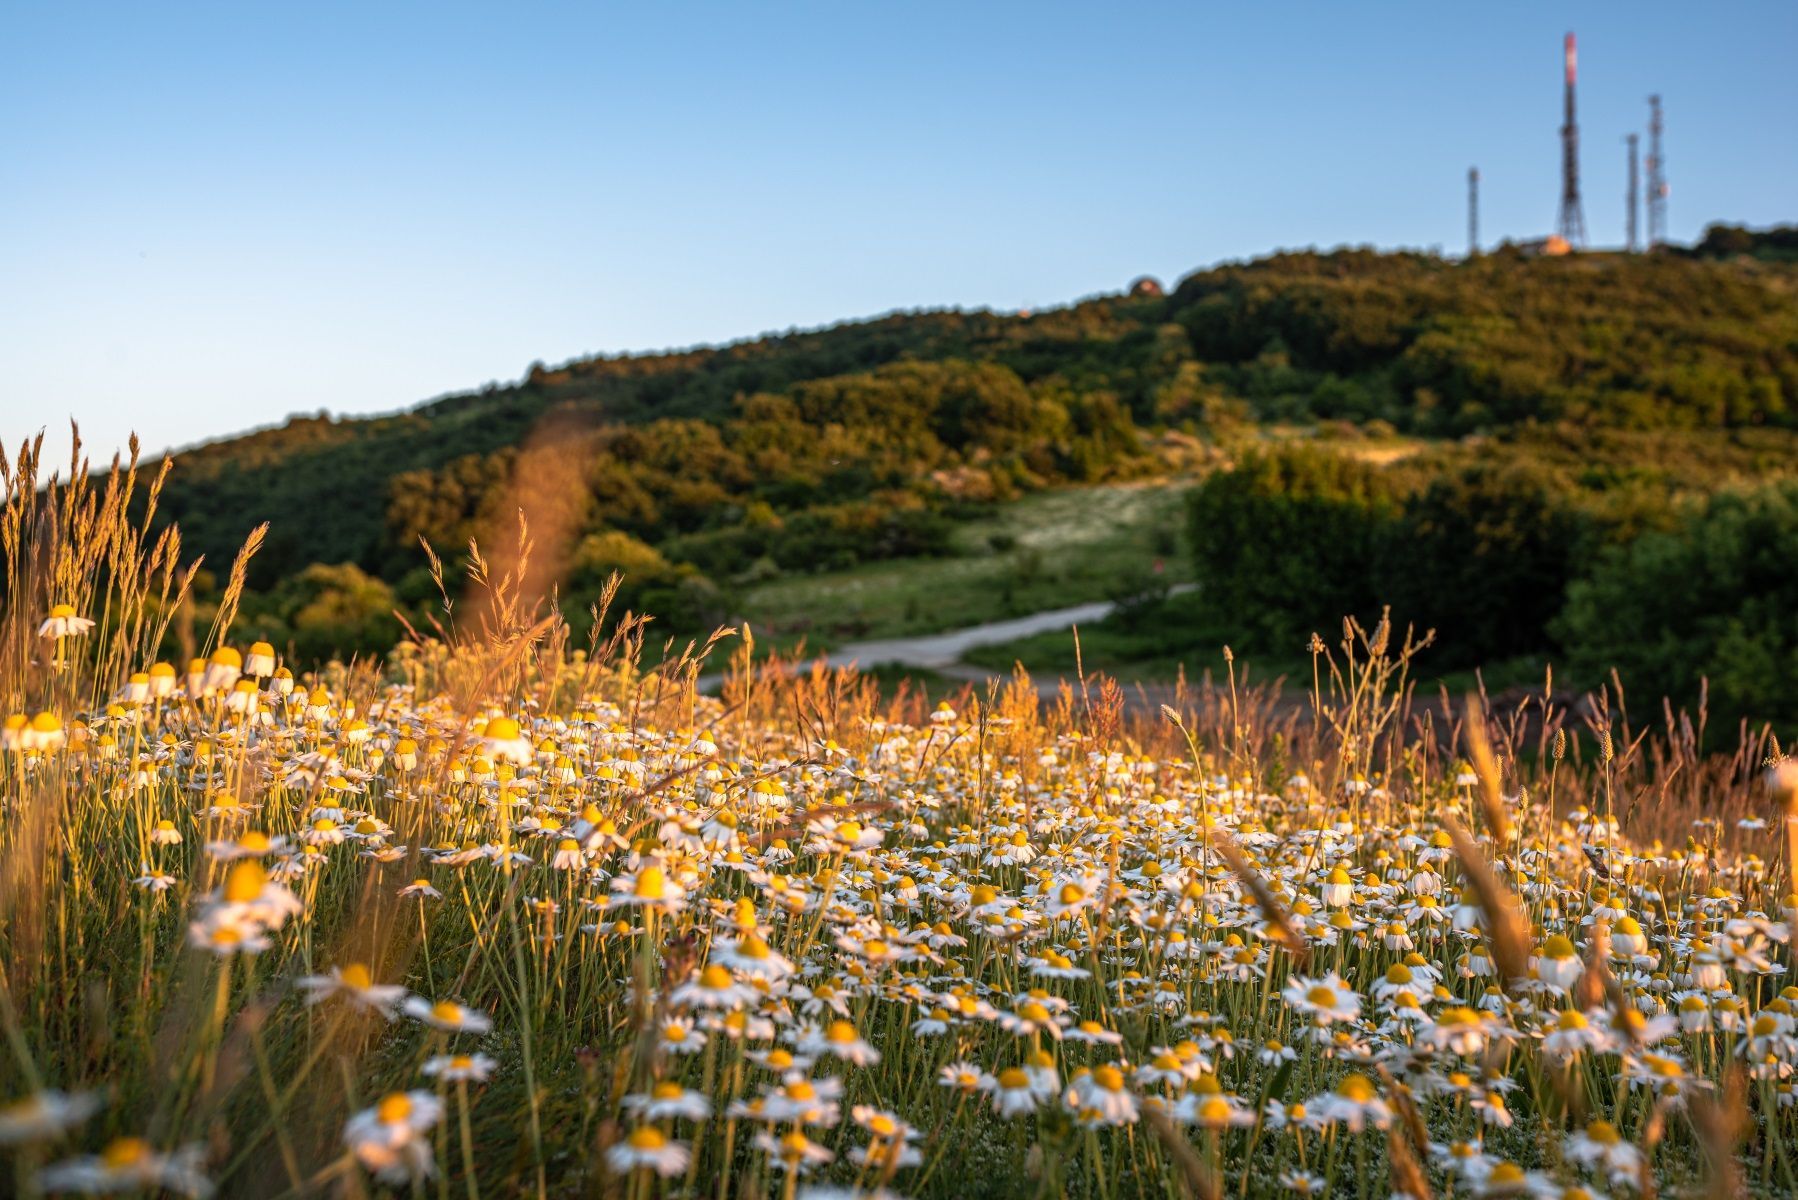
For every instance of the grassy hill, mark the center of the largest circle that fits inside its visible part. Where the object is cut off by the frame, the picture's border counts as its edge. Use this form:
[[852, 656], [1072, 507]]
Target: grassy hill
[[719, 473]]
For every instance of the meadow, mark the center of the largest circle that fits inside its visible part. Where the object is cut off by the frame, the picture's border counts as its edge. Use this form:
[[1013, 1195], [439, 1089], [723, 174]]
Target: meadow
[[1047, 550], [500, 914]]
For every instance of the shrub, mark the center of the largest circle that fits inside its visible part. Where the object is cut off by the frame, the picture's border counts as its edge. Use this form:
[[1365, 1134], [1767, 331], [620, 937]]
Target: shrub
[[1484, 556], [326, 610], [682, 599], [1715, 598], [1289, 541]]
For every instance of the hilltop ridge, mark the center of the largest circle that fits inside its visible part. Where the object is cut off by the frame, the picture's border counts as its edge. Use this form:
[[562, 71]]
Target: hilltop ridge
[[1427, 346]]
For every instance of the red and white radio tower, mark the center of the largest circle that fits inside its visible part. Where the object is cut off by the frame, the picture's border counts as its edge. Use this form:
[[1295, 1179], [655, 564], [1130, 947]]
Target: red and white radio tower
[[1571, 224]]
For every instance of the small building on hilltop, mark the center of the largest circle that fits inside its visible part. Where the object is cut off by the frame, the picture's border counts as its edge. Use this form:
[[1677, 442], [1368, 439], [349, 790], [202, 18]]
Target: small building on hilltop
[[1552, 246]]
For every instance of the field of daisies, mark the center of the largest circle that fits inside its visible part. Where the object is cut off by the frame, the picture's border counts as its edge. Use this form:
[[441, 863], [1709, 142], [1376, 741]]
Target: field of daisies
[[499, 915]]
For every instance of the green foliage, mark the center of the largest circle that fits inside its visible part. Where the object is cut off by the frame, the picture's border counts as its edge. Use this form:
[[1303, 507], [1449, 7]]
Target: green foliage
[[1630, 380], [1477, 542], [1287, 543], [1715, 598], [324, 610], [676, 594], [676, 441], [1447, 348], [1483, 555], [1776, 244], [1508, 551]]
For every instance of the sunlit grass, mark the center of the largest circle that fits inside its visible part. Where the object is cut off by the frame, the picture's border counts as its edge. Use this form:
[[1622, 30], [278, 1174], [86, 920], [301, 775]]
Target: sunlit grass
[[1049, 550]]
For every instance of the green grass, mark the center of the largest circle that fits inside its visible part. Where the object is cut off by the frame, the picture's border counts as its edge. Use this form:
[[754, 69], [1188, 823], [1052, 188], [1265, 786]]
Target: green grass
[[1045, 551], [1177, 636], [1155, 643]]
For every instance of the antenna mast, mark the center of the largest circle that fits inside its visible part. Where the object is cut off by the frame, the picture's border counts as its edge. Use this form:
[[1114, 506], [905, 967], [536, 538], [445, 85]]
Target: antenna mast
[[1473, 211], [1571, 223], [1657, 177], [1633, 193]]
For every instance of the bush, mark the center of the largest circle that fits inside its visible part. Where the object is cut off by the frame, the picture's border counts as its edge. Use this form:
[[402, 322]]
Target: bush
[[1713, 599], [1480, 549], [324, 611], [1289, 542], [680, 598], [1484, 556]]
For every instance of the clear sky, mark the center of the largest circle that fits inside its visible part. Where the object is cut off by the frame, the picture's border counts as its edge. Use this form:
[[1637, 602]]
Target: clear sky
[[214, 216]]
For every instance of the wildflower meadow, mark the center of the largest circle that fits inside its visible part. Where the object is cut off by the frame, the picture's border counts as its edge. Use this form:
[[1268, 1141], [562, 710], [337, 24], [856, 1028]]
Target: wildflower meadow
[[498, 914]]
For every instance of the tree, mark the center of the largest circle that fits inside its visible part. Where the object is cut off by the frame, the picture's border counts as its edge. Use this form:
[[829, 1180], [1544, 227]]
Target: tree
[[1289, 542], [1715, 598], [327, 610], [1483, 555]]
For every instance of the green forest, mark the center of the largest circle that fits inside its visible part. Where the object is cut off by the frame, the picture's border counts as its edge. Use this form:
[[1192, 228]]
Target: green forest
[[1579, 429]]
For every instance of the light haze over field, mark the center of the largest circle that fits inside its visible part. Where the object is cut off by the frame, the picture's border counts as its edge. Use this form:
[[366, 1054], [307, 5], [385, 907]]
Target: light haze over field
[[219, 215]]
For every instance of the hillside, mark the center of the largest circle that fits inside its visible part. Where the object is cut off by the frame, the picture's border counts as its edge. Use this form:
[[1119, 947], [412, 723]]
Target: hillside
[[706, 470]]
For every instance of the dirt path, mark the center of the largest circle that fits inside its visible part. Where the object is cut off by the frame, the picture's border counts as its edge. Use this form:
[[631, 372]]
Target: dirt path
[[942, 652]]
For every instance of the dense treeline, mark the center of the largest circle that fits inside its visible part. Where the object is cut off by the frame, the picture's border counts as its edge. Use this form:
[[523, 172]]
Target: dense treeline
[[1429, 345], [1445, 348], [711, 468], [1668, 558]]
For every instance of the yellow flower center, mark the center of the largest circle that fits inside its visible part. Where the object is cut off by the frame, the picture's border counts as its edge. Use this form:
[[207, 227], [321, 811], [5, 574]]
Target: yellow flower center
[[394, 1107], [1604, 1133]]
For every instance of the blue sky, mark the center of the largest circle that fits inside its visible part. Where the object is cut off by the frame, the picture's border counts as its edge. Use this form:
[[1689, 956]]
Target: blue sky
[[217, 215]]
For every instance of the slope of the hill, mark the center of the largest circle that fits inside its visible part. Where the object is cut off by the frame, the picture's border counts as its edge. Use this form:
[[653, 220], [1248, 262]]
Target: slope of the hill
[[697, 443]]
